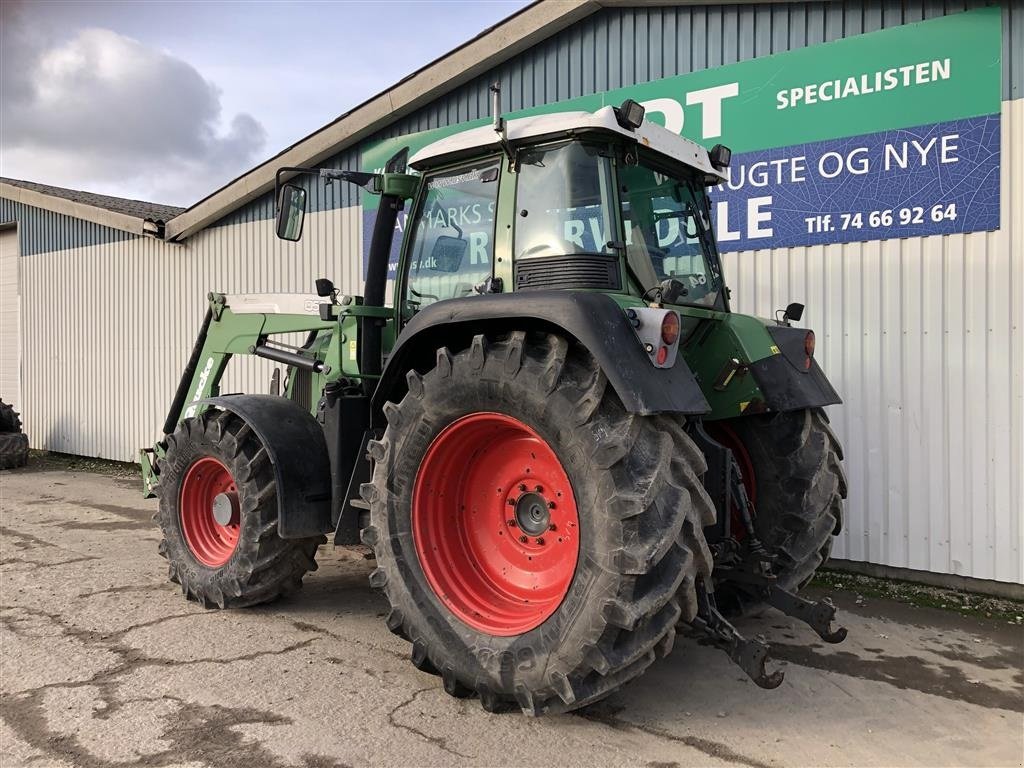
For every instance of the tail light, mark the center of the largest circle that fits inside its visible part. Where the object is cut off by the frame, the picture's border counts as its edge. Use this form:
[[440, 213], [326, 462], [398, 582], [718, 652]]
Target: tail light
[[670, 328], [658, 331], [808, 349]]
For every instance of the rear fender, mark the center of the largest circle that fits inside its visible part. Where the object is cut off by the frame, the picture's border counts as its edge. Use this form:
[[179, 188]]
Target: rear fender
[[297, 449], [593, 320]]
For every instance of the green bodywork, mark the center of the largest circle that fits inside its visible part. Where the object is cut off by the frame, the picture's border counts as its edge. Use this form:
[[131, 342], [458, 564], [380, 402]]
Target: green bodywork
[[712, 339]]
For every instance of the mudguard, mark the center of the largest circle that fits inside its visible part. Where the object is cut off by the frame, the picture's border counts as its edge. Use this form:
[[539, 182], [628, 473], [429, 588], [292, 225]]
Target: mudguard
[[297, 449], [786, 383], [592, 319]]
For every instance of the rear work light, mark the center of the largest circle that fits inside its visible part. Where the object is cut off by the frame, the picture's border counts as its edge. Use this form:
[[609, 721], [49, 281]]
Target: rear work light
[[808, 349]]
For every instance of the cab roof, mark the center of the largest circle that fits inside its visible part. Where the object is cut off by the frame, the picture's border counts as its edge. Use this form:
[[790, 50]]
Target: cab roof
[[475, 141]]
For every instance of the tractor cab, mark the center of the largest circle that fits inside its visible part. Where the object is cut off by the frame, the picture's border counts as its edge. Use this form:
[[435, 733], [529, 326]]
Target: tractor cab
[[580, 201]]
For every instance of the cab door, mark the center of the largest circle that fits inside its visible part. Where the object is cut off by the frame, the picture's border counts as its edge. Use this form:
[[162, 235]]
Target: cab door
[[450, 250]]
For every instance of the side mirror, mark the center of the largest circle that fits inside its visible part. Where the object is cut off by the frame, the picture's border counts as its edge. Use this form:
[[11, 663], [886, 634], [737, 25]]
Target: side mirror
[[447, 253], [291, 212], [794, 312]]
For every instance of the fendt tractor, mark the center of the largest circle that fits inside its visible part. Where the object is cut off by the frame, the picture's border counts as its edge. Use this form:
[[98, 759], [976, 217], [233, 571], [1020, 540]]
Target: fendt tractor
[[557, 439]]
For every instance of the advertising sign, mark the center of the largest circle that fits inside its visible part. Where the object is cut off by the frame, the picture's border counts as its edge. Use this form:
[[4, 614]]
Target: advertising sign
[[888, 134]]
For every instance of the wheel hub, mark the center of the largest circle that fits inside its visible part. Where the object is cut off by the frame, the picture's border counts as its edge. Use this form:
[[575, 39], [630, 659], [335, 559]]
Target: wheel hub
[[209, 511], [225, 508], [495, 524], [532, 516]]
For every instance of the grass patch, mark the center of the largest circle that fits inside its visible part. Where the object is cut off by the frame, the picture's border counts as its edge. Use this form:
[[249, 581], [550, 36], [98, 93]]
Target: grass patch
[[43, 461], [908, 592]]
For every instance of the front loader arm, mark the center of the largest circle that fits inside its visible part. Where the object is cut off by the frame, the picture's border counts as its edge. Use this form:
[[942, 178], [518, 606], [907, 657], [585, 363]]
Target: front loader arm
[[225, 333]]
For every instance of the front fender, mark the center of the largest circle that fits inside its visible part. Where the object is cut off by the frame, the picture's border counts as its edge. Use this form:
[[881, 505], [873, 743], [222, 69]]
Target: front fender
[[593, 320], [298, 452]]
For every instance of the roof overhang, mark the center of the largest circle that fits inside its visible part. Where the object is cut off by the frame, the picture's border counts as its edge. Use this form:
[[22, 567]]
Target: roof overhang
[[107, 218]]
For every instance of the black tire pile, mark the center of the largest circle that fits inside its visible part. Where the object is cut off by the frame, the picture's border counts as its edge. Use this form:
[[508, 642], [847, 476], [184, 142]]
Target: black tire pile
[[13, 442]]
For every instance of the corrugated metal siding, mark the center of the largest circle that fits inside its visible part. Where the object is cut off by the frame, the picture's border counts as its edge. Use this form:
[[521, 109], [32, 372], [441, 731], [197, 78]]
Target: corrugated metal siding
[[922, 337], [319, 196], [42, 231], [10, 319], [108, 329]]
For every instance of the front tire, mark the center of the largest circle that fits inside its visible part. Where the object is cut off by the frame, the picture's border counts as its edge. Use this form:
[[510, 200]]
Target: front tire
[[218, 513], [493, 434]]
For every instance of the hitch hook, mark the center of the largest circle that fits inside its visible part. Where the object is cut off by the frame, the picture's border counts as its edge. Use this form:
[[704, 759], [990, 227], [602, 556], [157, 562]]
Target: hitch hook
[[817, 615], [749, 655]]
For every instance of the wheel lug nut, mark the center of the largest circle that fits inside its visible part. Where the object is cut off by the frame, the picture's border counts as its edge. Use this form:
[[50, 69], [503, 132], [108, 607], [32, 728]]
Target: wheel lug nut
[[511, 502], [551, 527], [551, 505], [540, 540], [522, 487], [538, 489], [512, 523], [522, 539]]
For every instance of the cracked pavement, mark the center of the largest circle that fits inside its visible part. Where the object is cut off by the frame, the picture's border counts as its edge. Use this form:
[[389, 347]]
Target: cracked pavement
[[104, 664]]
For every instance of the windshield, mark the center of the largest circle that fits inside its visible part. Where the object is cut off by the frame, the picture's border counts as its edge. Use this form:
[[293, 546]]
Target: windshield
[[667, 232]]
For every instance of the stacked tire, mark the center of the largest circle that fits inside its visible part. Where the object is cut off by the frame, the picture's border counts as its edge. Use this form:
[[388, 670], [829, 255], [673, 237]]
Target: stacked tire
[[13, 442]]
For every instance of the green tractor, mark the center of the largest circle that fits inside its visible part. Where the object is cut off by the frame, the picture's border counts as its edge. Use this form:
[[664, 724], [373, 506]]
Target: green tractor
[[558, 440]]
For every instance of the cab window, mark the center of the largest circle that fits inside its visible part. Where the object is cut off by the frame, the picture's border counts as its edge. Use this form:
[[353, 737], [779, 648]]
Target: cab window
[[452, 249], [562, 202]]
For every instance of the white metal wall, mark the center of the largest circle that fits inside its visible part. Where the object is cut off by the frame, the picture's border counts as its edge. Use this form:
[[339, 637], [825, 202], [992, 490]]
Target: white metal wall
[[108, 328], [922, 337], [10, 314]]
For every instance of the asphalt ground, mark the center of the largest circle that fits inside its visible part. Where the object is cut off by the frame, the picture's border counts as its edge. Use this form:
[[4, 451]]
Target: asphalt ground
[[103, 663]]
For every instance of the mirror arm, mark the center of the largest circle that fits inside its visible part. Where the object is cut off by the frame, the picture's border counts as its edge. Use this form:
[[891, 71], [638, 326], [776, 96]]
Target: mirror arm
[[328, 174]]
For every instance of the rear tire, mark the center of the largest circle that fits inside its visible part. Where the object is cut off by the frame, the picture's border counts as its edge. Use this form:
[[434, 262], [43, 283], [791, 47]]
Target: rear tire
[[634, 480], [13, 450], [798, 486], [242, 562]]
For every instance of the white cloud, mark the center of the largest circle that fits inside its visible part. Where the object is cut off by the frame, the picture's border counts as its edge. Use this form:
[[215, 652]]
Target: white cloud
[[103, 111]]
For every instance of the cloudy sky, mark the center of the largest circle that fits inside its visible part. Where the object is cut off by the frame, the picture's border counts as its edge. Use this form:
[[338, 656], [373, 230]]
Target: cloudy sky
[[166, 101]]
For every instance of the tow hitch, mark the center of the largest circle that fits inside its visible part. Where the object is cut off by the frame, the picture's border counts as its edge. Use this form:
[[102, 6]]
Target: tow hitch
[[749, 655], [817, 615], [744, 562], [752, 655]]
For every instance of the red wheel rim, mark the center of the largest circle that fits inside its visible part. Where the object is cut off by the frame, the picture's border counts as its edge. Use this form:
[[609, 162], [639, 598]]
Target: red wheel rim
[[211, 542], [727, 436], [495, 524]]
